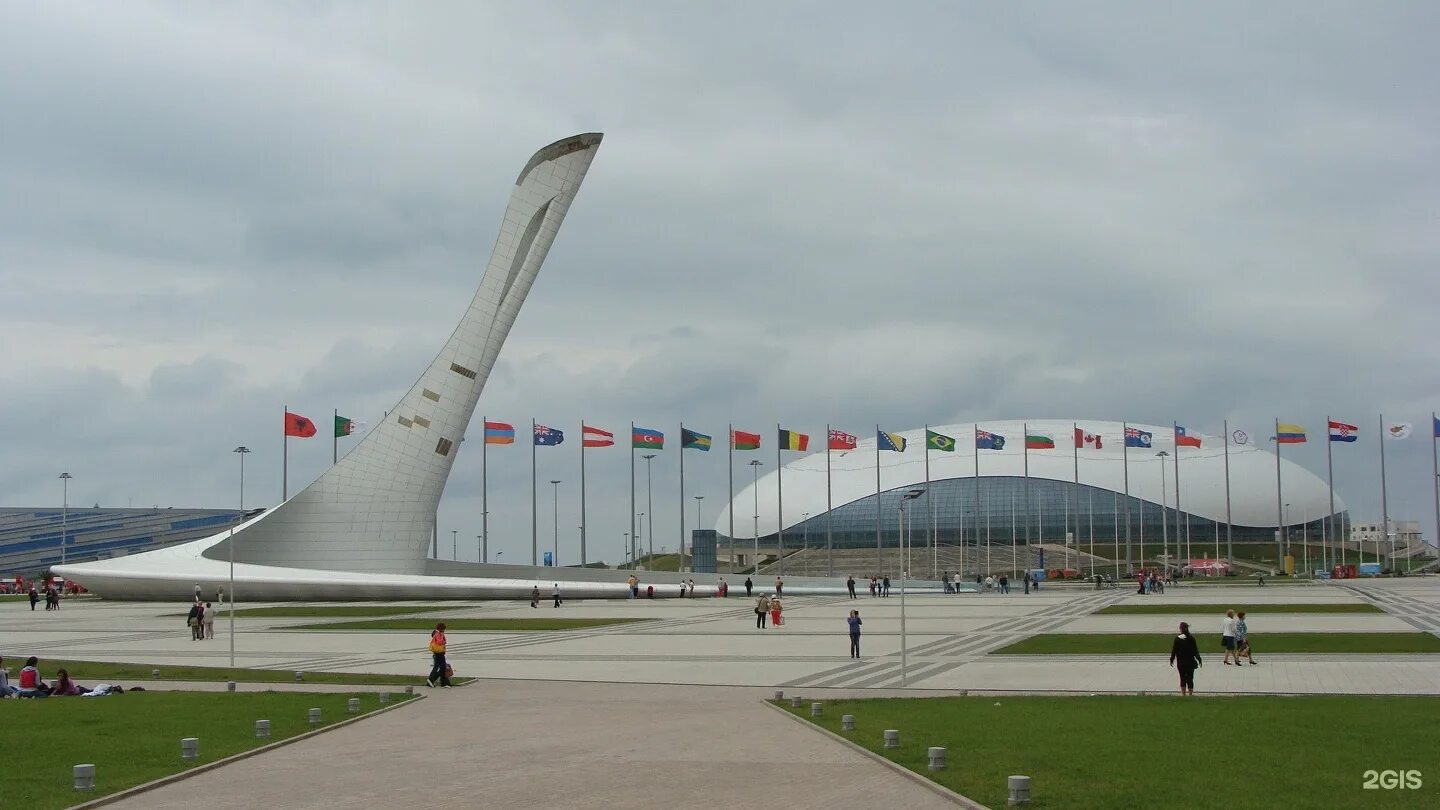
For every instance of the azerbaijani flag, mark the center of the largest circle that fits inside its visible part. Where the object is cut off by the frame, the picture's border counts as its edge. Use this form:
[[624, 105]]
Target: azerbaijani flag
[[1039, 441], [499, 433], [645, 437], [740, 440], [690, 440], [790, 440], [1286, 433]]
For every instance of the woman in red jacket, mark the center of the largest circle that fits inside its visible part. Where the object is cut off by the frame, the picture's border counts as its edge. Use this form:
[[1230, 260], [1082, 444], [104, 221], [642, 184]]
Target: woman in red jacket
[[437, 652]]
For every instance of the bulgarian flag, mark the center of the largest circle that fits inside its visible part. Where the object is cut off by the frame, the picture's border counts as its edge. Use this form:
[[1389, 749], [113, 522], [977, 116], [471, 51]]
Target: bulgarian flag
[[1039, 441]]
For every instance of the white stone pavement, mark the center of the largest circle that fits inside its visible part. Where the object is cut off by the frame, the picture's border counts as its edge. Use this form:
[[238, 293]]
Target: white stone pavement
[[714, 642]]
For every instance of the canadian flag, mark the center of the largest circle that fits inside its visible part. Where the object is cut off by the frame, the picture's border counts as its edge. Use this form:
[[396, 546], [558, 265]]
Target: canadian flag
[[595, 437], [1083, 439]]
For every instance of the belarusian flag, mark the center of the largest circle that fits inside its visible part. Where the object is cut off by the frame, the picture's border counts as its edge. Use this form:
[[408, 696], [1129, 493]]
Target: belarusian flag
[[1039, 441], [741, 440]]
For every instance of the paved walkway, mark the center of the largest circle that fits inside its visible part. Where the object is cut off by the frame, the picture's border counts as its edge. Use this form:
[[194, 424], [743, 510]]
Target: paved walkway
[[547, 744]]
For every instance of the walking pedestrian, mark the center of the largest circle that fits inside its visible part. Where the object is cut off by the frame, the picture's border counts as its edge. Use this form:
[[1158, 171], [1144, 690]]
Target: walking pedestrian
[[1227, 637], [989, 582], [1027, 582], [555, 593], [885, 585], [854, 622], [682, 589], [34, 597], [438, 666], [749, 588], [762, 609], [1004, 583], [193, 621], [775, 609], [1185, 657], [535, 597], [874, 586], [1242, 640], [209, 619], [692, 589], [850, 585], [634, 583], [779, 586]]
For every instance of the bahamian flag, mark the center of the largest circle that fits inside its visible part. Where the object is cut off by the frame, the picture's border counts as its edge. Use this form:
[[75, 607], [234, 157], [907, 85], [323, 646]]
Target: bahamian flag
[[939, 441], [690, 440], [890, 441]]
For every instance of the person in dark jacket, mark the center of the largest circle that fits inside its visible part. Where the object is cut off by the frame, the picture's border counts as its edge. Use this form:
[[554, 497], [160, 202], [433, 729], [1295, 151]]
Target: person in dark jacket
[[749, 587], [1185, 656]]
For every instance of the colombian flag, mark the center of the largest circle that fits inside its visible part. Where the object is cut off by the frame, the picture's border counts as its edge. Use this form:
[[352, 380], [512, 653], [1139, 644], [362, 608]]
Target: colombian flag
[[1289, 434], [790, 440]]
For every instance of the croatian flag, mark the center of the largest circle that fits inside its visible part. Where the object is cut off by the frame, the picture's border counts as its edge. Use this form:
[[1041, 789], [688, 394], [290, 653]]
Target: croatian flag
[[595, 437], [1341, 432]]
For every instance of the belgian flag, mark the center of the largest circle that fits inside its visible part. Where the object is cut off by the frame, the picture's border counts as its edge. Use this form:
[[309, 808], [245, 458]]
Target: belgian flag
[[790, 440]]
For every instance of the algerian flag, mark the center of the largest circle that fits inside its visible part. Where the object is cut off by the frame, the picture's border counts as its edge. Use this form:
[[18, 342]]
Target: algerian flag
[[344, 426], [939, 441]]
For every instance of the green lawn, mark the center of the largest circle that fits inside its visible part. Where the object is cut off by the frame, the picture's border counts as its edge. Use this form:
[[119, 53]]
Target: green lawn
[[91, 672], [1164, 608], [1264, 643], [135, 737], [327, 611], [453, 625], [1121, 752]]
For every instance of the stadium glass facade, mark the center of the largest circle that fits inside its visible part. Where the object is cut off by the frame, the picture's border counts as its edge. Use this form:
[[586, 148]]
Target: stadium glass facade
[[998, 515]]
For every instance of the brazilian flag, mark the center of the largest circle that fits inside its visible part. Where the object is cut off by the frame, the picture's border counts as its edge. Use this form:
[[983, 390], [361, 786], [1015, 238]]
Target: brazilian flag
[[939, 441]]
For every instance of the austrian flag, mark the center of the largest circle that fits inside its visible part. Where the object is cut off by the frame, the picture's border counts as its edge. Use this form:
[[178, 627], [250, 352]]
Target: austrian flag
[[1083, 439], [595, 437]]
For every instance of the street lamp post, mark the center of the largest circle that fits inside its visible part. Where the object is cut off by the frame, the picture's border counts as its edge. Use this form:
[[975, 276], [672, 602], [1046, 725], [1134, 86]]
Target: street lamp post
[[1164, 519], [555, 505], [241, 451], [64, 512], [755, 465], [650, 504], [904, 581]]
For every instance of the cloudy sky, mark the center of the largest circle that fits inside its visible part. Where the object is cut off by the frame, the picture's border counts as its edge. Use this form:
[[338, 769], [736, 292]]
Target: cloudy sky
[[801, 213]]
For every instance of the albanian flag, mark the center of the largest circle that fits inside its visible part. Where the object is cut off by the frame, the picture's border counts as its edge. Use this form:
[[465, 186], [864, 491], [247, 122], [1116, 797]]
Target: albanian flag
[[299, 426]]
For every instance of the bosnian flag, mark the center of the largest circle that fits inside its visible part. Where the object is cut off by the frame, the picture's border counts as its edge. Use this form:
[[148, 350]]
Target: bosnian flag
[[1341, 432], [595, 437]]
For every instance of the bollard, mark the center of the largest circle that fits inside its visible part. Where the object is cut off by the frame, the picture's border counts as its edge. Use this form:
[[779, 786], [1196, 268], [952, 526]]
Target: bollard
[[796, 702], [409, 690], [154, 673], [1019, 790], [814, 709], [353, 705], [299, 676], [779, 695], [190, 748], [892, 738], [84, 777], [230, 686], [384, 698], [937, 758], [262, 729], [314, 716], [847, 722]]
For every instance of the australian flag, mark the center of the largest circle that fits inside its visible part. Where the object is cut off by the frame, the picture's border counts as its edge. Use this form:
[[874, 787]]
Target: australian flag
[[548, 436], [985, 440], [1135, 437]]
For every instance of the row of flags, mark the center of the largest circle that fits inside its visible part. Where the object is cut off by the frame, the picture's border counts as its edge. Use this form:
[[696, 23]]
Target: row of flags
[[301, 427]]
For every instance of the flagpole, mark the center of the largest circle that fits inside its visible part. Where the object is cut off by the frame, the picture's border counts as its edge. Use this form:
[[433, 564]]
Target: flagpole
[[285, 458], [484, 493], [1025, 431], [829, 512], [1279, 503], [730, 474], [335, 440], [681, 566], [779, 501], [1330, 473], [975, 445], [1077, 438], [1384, 499], [1125, 464], [878, 564], [1435, 476], [534, 507], [634, 541], [1175, 428], [1229, 531], [582, 492], [930, 501]]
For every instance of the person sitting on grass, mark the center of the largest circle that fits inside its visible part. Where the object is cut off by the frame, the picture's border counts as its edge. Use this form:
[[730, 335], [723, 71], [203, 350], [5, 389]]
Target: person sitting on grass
[[64, 687], [31, 684], [6, 690]]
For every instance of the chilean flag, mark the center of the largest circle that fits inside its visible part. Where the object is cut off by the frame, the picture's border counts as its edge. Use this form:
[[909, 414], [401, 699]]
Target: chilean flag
[[1183, 439], [595, 437], [1341, 432]]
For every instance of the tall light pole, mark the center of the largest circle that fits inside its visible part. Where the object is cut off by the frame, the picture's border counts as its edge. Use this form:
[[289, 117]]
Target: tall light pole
[[454, 544], [64, 512], [755, 489], [241, 451], [805, 542], [480, 547], [904, 580], [639, 533], [555, 505], [698, 499], [650, 505], [629, 550], [1164, 519]]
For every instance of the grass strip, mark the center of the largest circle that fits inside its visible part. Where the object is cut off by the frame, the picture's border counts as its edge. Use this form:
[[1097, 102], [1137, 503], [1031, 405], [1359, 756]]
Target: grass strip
[[93, 672], [1170, 608], [1125, 751], [329, 611], [453, 625], [135, 737], [1264, 643]]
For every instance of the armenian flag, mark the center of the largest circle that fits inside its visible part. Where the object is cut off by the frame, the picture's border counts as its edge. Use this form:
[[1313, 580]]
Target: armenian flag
[[740, 440], [645, 437], [1286, 433], [499, 433], [690, 440], [790, 440]]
